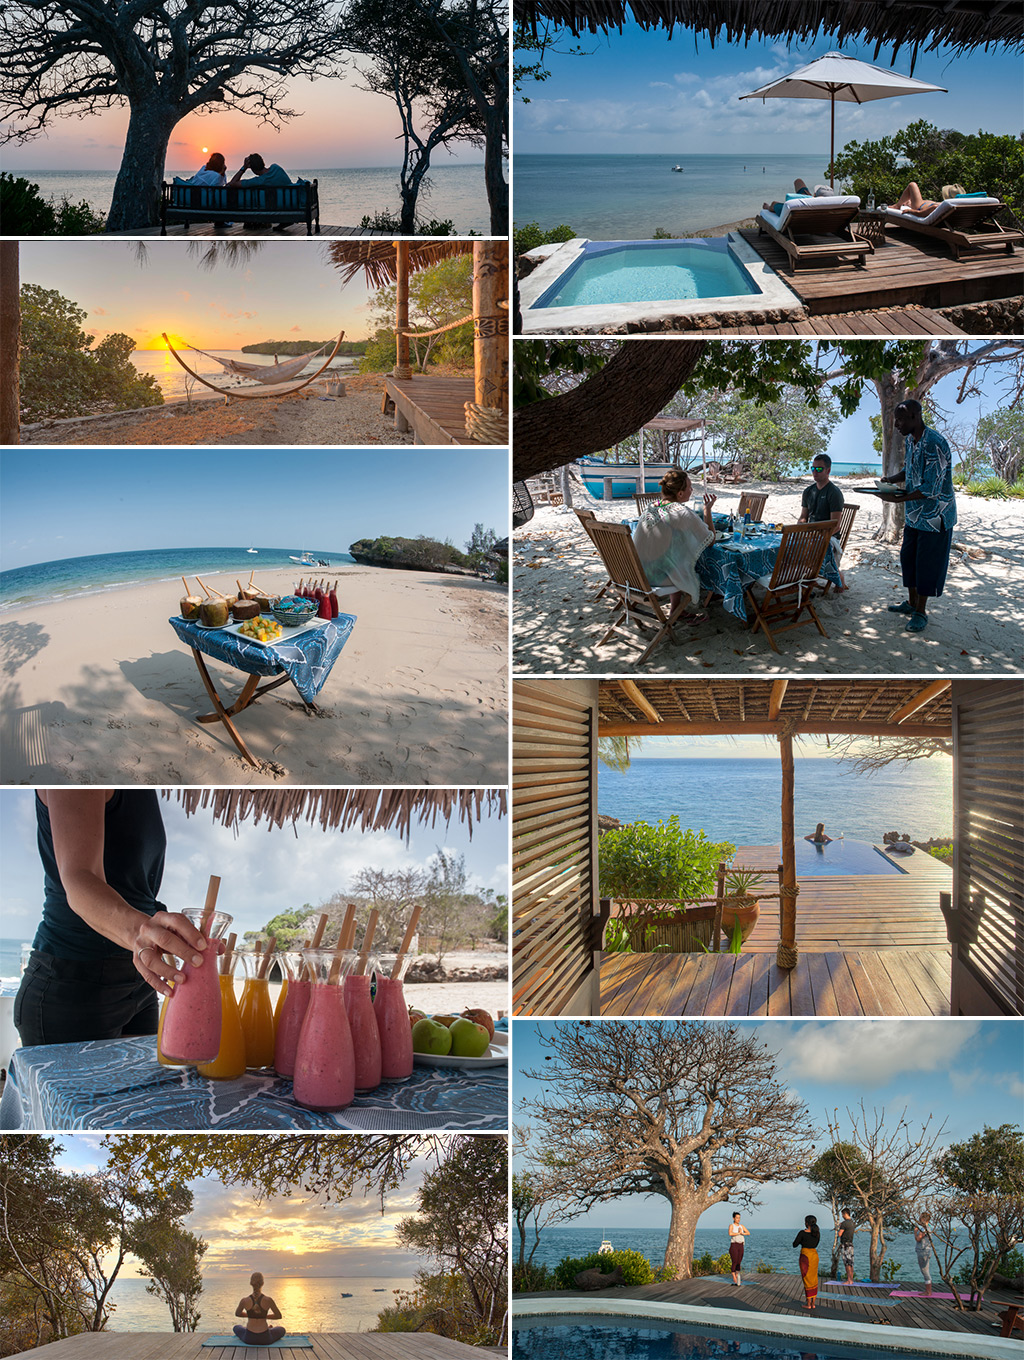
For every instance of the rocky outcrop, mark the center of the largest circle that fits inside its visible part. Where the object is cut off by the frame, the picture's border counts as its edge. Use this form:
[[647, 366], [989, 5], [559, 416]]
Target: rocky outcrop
[[1004, 316], [429, 970]]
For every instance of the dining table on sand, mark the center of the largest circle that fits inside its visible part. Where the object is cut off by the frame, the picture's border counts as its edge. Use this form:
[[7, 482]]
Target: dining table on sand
[[110, 1084], [306, 659], [726, 567]]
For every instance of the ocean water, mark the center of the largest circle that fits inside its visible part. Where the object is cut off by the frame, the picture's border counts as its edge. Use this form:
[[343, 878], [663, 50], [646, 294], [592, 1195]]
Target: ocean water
[[610, 198], [307, 1304], [112, 571], [346, 196], [738, 800], [773, 1245], [174, 381]]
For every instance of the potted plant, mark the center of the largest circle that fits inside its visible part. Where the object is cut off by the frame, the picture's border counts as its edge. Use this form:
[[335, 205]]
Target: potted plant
[[741, 908]]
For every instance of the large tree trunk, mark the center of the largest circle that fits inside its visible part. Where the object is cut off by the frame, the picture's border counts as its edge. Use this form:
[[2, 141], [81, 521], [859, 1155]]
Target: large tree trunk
[[681, 1231], [494, 171], [136, 200], [632, 387], [877, 1254], [10, 341]]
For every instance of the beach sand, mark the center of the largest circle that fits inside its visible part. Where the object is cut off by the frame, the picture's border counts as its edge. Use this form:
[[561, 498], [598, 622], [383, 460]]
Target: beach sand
[[975, 627], [97, 689], [307, 418]]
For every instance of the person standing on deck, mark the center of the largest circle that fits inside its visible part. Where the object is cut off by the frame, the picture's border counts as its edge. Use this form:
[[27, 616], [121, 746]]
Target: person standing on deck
[[846, 1231], [931, 513], [737, 1232]]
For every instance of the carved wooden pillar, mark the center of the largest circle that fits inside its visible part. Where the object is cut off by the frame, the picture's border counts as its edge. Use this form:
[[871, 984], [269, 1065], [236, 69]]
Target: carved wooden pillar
[[490, 324], [402, 368]]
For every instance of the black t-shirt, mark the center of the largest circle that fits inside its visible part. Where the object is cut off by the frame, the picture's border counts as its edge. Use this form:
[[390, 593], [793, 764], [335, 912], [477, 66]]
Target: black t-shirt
[[846, 1230], [807, 1237], [821, 504]]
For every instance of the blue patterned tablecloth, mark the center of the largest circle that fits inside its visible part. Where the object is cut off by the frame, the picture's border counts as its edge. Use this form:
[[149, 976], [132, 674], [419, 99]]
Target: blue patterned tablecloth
[[306, 658], [118, 1084], [726, 568]]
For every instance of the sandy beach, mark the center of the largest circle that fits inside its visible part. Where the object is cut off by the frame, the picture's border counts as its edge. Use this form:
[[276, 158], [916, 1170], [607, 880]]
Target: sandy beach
[[97, 689], [974, 628]]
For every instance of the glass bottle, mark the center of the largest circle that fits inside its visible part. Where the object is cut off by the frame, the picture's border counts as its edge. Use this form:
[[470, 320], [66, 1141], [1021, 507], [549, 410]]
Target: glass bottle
[[257, 1013], [192, 1019], [393, 1019], [335, 611], [324, 1062], [292, 1012], [230, 1060], [363, 1023]]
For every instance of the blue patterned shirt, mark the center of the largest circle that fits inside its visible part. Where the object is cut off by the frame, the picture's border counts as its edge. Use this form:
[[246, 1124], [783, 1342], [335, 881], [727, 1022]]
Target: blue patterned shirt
[[929, 465]]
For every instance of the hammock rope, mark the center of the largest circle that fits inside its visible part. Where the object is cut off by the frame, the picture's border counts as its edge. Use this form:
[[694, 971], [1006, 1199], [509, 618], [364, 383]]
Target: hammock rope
[[264, 373], [268, 390]]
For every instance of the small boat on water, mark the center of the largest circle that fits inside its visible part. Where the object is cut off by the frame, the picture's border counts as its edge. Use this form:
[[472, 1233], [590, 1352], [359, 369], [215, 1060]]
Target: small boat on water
[[346, 1296], [677, 169], [606, 1248], [307, 560], [252, 550]]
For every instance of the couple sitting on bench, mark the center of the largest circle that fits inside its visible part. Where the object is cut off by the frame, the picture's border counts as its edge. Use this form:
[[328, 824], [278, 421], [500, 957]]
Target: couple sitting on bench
[[214, 174]]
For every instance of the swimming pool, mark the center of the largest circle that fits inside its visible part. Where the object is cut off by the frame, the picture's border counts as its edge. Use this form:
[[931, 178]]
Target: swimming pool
[[843, 857]]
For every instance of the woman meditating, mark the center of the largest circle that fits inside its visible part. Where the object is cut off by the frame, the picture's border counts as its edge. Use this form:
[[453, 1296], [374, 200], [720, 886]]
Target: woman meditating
[[913, 202], [807, 1240], [257, 1307], [670, 537]]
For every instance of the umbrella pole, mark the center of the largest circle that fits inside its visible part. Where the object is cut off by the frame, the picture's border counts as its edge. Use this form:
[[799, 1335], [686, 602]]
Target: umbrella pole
[[832, 156]]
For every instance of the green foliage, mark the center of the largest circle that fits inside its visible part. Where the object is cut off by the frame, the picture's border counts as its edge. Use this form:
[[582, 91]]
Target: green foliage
[[441, 1304], [530, 237], [878, 442], [289, 927], [171, 1255], [943, 852], [438, 296], [501, 571], [348, 347], [530, 1279], [480, 543], [991, 488], [978, 161], [663, 861], [660, 234], [380, 353], [778, 436], [1011, 1265], [61, 375], [890, 1269], [388, 221], [987, 1163], [24, 212], [636, 1269], [419, 552], [535, 360], [712, 1265], [1017, 488], [765, 1268], [738, 882]]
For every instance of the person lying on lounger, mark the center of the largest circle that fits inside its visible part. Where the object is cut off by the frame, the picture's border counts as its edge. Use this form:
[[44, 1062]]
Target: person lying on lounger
[[819, 191], [912, 202]]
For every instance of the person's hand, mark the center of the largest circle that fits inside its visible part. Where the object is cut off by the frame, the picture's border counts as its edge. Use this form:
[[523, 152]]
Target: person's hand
[[166, 933], [709, 499]]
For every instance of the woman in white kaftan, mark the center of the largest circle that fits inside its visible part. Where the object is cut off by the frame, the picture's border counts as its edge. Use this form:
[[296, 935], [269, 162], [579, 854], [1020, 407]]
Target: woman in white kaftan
[[670, 537]]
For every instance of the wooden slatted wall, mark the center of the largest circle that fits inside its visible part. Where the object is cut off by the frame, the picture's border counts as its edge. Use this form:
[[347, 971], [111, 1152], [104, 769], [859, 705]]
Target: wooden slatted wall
[[988, 866], [554, 875]]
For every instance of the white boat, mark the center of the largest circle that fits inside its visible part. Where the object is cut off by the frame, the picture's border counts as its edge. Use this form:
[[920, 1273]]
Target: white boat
[[252, 550], [306, 560], [677, 169], [606, 1248]]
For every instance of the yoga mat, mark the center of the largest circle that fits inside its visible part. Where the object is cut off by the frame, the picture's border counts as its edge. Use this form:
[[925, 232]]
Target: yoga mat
[[298, 1341], [857, 1284], [868, 1303], [919, 1294]]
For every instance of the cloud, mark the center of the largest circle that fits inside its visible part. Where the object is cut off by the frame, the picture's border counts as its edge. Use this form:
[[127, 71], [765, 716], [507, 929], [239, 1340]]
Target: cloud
[[184, 294], [99, 311], [870, 1053], [296, 328]]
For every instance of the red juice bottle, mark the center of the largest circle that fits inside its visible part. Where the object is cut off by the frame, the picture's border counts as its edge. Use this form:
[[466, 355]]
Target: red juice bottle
[[333, 597]]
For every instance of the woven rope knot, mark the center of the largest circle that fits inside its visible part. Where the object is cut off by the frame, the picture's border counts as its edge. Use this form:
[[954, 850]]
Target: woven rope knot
[[486, 424], [785, 890], [787, 726], [786, 955], [403, 371]]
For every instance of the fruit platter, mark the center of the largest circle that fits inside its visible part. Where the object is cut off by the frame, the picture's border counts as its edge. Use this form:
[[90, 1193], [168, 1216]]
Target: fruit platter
[[466, 1041], [260, 629]]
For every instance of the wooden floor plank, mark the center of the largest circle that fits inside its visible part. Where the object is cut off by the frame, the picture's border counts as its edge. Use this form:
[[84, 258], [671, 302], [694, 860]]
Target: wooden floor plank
[[848, 1001], [188, 1346], [433, 407]]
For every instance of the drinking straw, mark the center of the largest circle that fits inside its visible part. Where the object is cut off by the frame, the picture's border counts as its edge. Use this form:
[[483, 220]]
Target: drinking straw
[[211, 899], [410, 931], [265, 964], [335, 968], [185, 584], [251, 575], [225, 958], [318, 934], [364, 953], [348, 924], [215, 590], [239, 585]]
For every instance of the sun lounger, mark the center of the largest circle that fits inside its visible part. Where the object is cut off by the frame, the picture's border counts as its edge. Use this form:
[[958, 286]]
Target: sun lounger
[[963, 223], [813, 231]]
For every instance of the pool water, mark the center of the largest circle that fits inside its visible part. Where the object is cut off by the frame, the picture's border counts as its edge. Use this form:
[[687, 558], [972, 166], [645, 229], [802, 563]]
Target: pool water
[[649, 271], [576, 1338], [843, 857]]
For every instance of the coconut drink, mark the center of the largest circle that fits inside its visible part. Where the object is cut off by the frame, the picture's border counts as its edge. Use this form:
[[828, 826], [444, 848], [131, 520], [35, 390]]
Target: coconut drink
[[190, 605], [214, 613], [245, 609]]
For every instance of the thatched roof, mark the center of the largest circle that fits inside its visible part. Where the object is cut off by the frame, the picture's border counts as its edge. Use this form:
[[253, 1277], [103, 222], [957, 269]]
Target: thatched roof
[[341, 809], [647, 708], [377, 257], [674, 424], [923, 24]]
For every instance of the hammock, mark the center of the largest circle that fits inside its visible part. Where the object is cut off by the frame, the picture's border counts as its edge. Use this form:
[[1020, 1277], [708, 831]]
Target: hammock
[[264, 373], [277, 388]]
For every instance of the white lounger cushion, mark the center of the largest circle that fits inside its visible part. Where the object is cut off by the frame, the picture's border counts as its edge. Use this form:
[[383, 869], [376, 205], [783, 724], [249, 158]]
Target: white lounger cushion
[[941, 210], [802, 205]]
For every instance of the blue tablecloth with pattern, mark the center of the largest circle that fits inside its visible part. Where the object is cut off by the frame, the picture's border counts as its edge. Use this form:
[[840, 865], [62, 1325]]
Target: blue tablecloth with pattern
[[307, 658], [118, 1084]]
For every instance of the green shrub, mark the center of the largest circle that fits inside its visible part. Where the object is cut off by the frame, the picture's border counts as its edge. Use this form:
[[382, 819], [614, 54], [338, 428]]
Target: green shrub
[[1012, 1264], [529, 237], [890, 1269], [765, 1268], [712, 1265], [660, 234], [530, 1279], [663, 861], [387, 221], [1017, 488], [24, 212], [636, 1269], [943, 852]]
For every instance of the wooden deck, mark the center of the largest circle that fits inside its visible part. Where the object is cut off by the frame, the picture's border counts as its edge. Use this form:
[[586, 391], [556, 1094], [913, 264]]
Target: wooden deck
[[257, 234], [783, 1295], [432, 407], [888, 321], [910, 269], [188, 1346]]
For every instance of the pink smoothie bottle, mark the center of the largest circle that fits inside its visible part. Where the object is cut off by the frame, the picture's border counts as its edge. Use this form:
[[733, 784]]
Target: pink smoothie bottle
[[293, 1011], [363, 1024], [191, 1028], [325, 1068], [393, 1019]]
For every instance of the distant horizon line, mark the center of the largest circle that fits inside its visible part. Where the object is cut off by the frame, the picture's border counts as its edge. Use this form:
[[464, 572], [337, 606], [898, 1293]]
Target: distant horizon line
[[107, 170]]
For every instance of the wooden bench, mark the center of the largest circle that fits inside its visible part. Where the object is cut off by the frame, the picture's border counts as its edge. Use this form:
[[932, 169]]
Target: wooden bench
[[279, 203]]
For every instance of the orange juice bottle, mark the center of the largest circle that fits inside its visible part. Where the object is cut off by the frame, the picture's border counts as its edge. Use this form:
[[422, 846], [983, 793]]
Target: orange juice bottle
[[279, 1007], [257, 1015], [164, 1062], [230, 1059]]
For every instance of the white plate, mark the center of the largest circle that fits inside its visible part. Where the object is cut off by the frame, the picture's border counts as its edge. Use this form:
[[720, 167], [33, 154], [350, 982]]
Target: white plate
[[286, 633], [496, 1056]]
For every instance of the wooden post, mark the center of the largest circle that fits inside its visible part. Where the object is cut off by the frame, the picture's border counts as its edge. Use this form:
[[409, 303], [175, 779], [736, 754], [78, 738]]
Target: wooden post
[[402, 366], [490, 324], [10, 341], [786, 954]]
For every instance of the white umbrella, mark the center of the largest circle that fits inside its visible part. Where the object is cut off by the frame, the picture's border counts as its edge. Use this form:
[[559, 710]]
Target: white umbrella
[[833, 77]]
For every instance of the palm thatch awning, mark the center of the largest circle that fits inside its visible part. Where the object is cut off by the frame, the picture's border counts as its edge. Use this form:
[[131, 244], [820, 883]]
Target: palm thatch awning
[[648, 708], [379, 258], [923, 24], [342, 809]]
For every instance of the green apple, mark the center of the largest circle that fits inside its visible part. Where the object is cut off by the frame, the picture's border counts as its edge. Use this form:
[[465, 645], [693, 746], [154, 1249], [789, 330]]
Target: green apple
[[415, 1015], [428, 1037], [469, 1040]]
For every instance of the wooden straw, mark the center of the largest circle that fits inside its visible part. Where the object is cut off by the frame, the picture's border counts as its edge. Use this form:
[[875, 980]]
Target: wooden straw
[[215, 591], [364, 953], [318, 934], [210, 904], [266, 957], [251, 575], [410, 931], [348, 927], [239, 585], [185, 584], [332, 976], [225, 958]]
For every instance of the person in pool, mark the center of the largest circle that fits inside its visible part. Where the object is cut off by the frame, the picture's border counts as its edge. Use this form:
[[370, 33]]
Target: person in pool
[[818, 836], [256, 1308], [97, 959]]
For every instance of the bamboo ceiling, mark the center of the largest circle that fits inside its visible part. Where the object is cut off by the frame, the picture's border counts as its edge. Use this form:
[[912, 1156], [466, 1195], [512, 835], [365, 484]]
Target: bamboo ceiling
[[378, 257], [924, 24], [341, 809], [665, 707]]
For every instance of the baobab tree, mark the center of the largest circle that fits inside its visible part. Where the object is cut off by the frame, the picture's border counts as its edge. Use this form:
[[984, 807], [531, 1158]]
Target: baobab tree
[[164, 60]]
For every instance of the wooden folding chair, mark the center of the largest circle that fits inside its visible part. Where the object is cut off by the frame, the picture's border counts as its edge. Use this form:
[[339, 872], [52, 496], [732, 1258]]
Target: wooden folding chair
[[846, 518], [587, 518], [754, 503], [791, 586], [637, 602], [645, 498]]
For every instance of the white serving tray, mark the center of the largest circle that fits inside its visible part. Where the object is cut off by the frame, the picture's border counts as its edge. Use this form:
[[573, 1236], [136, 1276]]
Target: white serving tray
[[286, 633], [496, 1056]]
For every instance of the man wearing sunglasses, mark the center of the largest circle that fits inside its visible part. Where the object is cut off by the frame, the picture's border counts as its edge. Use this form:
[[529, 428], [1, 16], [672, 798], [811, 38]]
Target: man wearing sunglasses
[[931, 513], [823, 500]]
